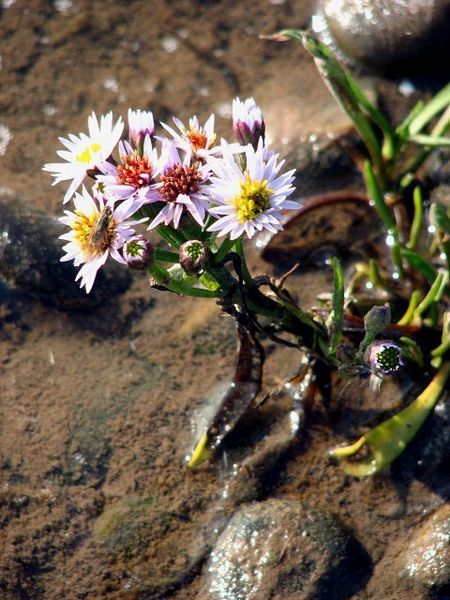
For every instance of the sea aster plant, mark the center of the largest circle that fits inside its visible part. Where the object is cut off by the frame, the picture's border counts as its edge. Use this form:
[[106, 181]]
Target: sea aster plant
[[182, 187], [85, 152], [97, 230], [196, 140], [251, 199]]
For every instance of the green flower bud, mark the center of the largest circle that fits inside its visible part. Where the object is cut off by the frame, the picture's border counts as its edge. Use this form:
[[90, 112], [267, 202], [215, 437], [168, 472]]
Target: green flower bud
[[192, 256]]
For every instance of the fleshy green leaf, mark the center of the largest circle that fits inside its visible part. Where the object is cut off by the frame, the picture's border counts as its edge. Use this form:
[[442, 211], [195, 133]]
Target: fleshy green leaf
[[389, 439]]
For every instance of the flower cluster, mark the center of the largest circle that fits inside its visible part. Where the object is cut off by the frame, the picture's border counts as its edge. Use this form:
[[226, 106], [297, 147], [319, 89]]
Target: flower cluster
[[185, 181]]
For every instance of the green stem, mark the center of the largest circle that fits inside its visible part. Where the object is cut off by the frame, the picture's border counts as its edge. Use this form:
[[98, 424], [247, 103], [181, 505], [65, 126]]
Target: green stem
[[417, 219], [166, 256], [431, 296], [162, 277], [245, 272]]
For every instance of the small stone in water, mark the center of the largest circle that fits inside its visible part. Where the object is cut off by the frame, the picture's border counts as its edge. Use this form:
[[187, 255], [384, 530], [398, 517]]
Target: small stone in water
[[283, 549], [427, 558], [385, 34]]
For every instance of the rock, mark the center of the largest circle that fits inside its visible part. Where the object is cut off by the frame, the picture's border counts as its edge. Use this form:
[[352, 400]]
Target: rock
[[426, 560], [387, 34], [30, 253], [158, 544], [286, 550]]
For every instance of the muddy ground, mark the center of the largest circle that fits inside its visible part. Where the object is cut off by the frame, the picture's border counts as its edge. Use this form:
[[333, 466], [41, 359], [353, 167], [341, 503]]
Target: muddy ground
[[98, 408]]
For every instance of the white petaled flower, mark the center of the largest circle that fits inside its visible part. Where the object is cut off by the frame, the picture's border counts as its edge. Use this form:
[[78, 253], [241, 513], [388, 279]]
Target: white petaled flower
[[248, 122], [182, 187], [250, 200], [196, 140], [85, 152], [134, 175], [140, 124], [97, 230]]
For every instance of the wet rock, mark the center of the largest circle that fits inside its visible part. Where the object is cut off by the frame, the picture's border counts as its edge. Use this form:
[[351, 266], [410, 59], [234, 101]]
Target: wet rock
[[283, 549], [427, 558], [157, 542], [30, 253], [387, 34]]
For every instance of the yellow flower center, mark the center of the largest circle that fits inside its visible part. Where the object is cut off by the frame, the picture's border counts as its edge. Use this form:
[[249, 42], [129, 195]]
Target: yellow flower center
[[86, 155], [94, 232], [253, 200], [198, 139]]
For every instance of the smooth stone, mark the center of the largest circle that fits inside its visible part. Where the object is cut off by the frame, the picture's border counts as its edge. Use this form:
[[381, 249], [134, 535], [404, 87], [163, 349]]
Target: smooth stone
[[157, 543], [284, 549], [30, 254], [386, 34], [426, 560]]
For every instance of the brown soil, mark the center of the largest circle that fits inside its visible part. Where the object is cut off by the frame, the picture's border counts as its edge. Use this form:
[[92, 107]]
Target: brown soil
[[96, 409]]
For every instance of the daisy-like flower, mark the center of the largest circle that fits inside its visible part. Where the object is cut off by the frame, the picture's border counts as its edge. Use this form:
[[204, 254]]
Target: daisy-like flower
[[98, 230], [85, 152], [249, 200], [196, 140], [134, 175], [384, 357], [248, 122], [182, 187], [140, 124]]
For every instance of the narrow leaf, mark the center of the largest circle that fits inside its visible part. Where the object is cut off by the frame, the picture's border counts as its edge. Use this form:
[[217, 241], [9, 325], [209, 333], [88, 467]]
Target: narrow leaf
[[429, 140], [389, 439], [430, 110], [376, 195], [417, 219]]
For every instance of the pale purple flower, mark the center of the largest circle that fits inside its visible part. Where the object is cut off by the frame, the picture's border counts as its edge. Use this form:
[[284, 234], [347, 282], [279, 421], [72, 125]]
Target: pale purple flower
[[134, 175], [85, 152], [182, 188], [196, 140], [248, 122], [384, 357], [140, 124], [97, 230], [252, 199]]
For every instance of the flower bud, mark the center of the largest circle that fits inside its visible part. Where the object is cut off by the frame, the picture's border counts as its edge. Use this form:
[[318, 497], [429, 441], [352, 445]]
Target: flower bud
[[248, 122], [140, 124], [138, 252], [192, 256], [377, 319], [384, 357]]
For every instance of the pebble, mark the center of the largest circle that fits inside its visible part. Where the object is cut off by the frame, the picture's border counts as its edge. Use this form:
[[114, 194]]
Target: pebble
[[283, 549], [386, 34], [158, 544], [30, 254], [426, 560]]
